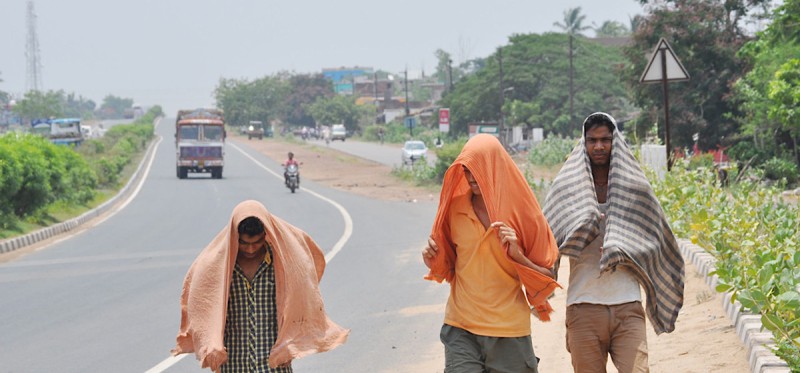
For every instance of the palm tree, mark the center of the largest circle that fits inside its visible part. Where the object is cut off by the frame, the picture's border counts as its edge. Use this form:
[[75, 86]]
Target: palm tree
[[573, 25]]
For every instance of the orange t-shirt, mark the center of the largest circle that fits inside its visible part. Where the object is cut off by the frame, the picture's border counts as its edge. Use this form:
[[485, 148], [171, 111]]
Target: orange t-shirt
[[485, 298]]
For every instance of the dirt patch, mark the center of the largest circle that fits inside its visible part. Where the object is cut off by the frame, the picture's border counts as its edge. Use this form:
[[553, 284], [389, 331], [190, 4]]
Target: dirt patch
[[343, 171]]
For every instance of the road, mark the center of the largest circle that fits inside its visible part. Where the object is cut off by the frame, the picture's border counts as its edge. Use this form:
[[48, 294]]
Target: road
[[388, 154], [106, 299]]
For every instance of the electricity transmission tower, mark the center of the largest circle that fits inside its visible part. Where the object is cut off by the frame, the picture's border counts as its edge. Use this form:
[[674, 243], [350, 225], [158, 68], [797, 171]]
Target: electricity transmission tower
[[33, 82]]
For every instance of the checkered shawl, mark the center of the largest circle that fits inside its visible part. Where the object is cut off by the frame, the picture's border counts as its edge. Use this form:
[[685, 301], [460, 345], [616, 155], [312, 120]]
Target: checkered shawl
[[637, 235]]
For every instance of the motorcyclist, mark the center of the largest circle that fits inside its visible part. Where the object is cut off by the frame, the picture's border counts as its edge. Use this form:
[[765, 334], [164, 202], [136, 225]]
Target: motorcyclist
[[286, 165]]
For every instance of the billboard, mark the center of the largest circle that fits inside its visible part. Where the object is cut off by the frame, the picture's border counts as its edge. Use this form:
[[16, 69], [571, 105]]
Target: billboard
[[444, 120]]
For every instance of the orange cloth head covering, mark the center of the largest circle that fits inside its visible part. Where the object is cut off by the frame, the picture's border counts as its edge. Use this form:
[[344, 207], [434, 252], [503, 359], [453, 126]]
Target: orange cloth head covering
[[303, 326], [509, 199]]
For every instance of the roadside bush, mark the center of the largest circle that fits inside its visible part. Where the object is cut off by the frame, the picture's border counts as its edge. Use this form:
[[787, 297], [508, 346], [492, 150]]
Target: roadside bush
[[420, 172], [701, 160], [10, 182], [446, 155], [755, 238], [79, 180], [35, 191], [777, 169], [551, 151], [743, 151], [109, 155]]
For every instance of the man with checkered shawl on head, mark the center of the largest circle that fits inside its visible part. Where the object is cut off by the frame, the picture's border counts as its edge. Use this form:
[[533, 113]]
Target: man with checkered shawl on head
[[607, 220]]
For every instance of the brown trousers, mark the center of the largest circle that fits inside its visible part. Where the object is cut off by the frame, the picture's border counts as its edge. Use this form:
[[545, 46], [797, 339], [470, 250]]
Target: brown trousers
[[594, 331]]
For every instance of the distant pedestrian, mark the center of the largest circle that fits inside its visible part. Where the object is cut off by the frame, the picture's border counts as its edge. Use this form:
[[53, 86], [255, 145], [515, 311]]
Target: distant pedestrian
[[489, 240], [251, 300], [609, 223]]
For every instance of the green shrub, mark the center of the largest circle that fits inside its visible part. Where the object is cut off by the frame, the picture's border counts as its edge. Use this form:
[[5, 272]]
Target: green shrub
[[109, 155], [777, 169], [420, 173], [755, 238], [35, 191], [701, 160], [551, 151], [10, 183], [446, 155]]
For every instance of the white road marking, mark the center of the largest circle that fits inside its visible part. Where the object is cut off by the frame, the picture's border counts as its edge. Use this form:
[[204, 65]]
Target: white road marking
[[348, 231], [168, 362], [119, 208]]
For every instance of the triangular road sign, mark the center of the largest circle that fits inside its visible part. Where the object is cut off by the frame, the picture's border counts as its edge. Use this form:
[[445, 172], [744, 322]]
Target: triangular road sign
[[654, 73]]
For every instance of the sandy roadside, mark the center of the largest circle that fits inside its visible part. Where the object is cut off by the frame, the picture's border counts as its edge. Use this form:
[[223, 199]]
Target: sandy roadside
[[704, 339]]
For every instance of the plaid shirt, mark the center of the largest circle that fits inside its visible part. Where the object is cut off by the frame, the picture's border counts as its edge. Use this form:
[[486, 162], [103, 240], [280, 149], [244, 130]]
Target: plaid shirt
[[252, 324]]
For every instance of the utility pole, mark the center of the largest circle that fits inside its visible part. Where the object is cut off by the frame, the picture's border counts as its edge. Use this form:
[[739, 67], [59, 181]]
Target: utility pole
[[405, 81], [32, 58], [375, 92], [408, 112], [450, 74]]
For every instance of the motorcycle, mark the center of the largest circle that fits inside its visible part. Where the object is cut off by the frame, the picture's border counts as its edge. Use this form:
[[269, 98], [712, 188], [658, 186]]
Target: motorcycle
[[292, 177]]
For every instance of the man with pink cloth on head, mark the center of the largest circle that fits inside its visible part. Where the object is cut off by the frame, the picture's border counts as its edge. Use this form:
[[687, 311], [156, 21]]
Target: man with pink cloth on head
[[251, 299]]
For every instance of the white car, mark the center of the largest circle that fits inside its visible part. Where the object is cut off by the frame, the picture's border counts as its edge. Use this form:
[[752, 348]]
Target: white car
[[413, 151], [338, 132]]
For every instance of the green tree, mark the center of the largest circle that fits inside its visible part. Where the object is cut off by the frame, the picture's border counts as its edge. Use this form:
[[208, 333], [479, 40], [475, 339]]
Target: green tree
[[534, 66], [38, 104], [612, 29], [78, 107], [705, 35], [304, 90], [573, 25], [4, 96], [340, 109], [764, 135], [114, 107], [261, 99], [784, 93]]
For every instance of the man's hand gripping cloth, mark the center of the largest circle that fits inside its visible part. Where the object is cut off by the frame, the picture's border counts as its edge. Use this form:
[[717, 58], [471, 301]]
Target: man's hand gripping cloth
[[509, 199], [637, 234], [303, 326]]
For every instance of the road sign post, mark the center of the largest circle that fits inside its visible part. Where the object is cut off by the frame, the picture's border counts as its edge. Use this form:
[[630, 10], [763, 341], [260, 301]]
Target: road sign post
[[664, 67], [444, 120], [410, 123]]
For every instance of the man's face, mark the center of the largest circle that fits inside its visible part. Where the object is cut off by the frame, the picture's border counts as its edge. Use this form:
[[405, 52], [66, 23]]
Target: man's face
[[598, 144], [251, 247], [476, 190]]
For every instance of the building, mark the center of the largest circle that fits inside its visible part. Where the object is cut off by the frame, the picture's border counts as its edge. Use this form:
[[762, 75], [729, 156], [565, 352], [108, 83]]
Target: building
[[343, 78]]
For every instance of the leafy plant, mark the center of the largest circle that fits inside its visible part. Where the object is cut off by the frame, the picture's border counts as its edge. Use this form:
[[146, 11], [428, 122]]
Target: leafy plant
[[777, 169], [551, 151], [755, 238]]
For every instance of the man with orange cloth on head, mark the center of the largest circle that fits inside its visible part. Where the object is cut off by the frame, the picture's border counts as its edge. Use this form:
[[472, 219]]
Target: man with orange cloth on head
[[491, 242]]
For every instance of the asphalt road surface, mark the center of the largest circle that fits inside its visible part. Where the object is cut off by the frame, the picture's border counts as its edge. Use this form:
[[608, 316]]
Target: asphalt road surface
[[106, 299], [388, 154]]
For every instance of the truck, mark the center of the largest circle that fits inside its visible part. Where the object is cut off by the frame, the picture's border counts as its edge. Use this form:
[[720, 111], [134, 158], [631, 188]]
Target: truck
[[200, 142], [255, 129], [62, 131]]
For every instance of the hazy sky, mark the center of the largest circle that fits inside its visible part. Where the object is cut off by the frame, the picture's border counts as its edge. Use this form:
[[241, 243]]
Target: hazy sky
[[173, 52]]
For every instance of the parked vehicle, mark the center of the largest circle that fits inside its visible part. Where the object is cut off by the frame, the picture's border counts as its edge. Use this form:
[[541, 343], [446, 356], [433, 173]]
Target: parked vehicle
[[63, 131], [199, 142], [292, 177], [413, 150], [338, 132]]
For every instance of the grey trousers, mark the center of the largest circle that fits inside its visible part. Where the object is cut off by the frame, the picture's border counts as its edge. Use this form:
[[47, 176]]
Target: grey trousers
[[465, 352]]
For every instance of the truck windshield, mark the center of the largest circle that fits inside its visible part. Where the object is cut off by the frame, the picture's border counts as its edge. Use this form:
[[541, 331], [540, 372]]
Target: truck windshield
[[212, 132], [189, 133]]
